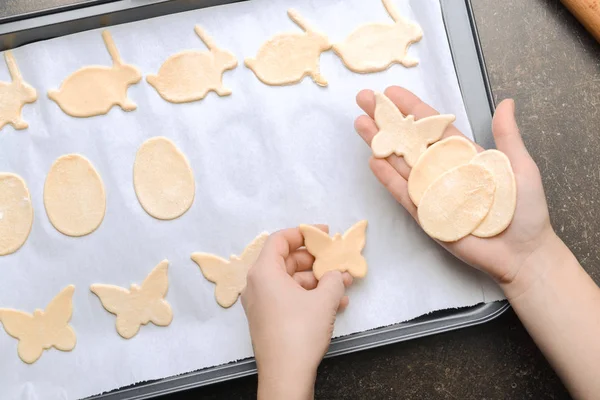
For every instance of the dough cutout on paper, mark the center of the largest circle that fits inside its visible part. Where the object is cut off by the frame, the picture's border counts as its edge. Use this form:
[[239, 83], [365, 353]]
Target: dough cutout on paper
[[229, 276], [139, 305], [16, 213], [14, 95], [94, 90], [44, 328], [189, 75], [374, 47], [74, 196], [287, 58]]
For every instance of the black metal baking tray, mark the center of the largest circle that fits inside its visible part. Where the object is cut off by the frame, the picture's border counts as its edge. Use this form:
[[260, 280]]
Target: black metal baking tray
[[70, 16]]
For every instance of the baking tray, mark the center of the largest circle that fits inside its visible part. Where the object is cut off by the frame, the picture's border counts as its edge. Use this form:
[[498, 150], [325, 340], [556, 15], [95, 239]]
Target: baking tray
[[70, 16]]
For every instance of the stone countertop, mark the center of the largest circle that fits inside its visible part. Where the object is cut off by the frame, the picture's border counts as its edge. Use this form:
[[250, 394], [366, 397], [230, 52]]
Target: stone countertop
[[538, 54]]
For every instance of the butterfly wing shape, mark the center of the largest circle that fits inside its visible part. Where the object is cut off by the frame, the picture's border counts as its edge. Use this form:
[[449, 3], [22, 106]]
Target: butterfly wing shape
[[315, 240], [389, 120], [21, 325], [117, 300], [223, 274], [354, 242], [56, 320], [252, 251], [153, 290], [432, 128]]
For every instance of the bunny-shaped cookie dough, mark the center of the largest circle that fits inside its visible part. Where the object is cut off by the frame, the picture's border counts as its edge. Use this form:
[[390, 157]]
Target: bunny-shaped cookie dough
[[375, 47], [14, 95], [94, 90], [189, 75], [288, 57]]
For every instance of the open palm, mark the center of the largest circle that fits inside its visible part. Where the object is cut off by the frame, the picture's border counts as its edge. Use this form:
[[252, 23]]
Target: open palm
[[502, 256]]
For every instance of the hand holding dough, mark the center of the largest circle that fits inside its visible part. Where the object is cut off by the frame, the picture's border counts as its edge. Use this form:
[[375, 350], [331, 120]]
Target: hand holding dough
[[288, 57], [229, 276], [44, 328], [337, 253], [14, 95], [375, 47], [404, 136], [139, 305]]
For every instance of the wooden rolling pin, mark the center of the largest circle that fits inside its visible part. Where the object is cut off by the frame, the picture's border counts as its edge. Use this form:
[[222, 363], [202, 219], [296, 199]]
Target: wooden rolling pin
[[588, 13]]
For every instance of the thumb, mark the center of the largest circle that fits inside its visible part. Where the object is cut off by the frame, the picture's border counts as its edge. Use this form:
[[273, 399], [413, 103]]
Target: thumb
[[506, 133], [331, 289]]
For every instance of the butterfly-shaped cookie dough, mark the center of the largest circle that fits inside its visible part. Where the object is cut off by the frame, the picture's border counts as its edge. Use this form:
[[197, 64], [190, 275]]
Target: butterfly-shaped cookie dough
[[404, 136], [230, 275], [44, 329], [337, 253], [139, 305]]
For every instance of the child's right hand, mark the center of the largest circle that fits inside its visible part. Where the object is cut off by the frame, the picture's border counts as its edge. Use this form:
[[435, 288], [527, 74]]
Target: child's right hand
[[509, 257]]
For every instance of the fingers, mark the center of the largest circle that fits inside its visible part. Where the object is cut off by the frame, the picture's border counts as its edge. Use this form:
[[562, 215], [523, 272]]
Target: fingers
[[344, 303], [299, 260], [394, 183], [286, 241], [506, 133], [306, 279], [331, 289]]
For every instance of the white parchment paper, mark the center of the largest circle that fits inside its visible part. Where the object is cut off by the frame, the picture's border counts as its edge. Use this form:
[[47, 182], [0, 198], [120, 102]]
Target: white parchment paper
[[264, 158]]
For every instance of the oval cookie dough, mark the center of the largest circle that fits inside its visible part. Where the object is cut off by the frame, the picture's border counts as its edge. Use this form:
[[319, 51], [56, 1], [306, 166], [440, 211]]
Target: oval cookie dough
[[437, 159], [457, 202], [16, 213], [163, 179], [74, 196], [505, 197]]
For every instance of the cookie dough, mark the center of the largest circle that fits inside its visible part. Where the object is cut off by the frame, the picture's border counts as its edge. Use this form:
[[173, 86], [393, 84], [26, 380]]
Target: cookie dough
[[44, 328], [163, 179], [139, 305], [287, 58], [337, 253], [505, 197], [74, 196], [375, 47], [229, 276], [437, 159], [94, 90], [189, 75], [14, 95], [404, 136], [457, 202], [16, 213]]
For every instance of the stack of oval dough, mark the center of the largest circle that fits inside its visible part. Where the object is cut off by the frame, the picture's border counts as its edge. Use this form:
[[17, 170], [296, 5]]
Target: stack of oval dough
[[460, 192]]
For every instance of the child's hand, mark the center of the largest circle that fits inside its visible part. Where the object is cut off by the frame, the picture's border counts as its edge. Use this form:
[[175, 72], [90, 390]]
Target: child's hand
[[291, 315], [505, 257]]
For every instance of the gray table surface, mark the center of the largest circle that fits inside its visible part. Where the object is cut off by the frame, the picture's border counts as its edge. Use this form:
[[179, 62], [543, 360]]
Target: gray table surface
[[539, 55]]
